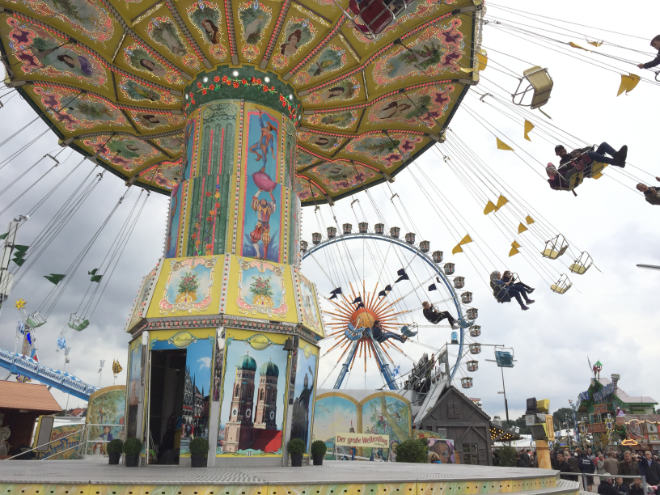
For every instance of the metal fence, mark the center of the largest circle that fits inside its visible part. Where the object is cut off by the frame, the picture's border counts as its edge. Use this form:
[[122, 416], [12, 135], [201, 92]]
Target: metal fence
[[589, 482]]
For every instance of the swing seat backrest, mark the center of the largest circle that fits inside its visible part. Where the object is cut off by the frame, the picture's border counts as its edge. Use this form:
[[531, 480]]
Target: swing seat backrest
[[541, 82]]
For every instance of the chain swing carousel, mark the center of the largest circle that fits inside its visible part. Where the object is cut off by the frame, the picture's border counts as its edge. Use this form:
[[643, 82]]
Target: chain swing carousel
[[239, 111]]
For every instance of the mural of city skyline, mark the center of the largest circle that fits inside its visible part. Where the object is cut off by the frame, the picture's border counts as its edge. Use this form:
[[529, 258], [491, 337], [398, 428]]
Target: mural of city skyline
[[253, 400]]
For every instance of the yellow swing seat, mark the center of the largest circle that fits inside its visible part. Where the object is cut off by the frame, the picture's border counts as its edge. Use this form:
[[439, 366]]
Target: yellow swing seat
[[582, 263], [555, 247], [561, 285]]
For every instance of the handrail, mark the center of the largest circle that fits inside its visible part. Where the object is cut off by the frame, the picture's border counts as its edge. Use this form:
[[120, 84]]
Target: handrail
[[48, 443]]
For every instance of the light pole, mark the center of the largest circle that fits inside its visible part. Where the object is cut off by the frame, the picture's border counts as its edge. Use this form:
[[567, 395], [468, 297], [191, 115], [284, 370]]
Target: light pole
[[505, 361], [575, 425]]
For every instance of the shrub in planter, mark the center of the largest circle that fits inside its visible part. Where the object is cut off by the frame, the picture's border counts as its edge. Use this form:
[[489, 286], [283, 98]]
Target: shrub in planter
[[132, 449], [413, 450], [318, 452], [114, 449], [296, 448], [199, 452]]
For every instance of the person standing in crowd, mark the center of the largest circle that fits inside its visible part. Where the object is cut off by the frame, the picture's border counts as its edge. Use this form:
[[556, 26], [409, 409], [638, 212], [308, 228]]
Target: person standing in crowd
[[627, 467], [562, 465], [587, 467], [610, 464], [650, 469]]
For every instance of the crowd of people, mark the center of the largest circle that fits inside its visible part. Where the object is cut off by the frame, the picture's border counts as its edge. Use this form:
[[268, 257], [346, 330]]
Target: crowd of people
[[611, 473]]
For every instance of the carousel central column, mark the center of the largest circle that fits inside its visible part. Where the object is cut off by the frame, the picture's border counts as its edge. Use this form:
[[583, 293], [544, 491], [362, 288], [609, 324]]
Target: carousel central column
[[240, 138], [228, 297]]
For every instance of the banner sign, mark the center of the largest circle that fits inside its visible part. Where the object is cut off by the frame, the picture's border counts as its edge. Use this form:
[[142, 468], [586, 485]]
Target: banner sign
[[362, 440], [504, 359]]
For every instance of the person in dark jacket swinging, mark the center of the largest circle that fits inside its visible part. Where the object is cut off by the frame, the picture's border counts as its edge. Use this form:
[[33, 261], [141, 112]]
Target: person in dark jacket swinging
[[434, 316], [655, 43], [651, 193]]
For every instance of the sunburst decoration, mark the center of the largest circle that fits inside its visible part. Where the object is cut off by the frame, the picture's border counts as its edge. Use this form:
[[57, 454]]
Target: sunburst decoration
[[375, 308]]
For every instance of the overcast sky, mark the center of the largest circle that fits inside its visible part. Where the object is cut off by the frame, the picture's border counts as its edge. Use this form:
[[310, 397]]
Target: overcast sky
[[609, 315]]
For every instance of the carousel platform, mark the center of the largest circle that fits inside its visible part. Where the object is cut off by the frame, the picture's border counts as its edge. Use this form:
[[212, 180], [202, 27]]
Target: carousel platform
[[96, 477]]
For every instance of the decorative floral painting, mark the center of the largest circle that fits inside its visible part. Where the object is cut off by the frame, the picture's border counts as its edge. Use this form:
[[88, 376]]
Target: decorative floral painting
[[261, 288], [189, 285]]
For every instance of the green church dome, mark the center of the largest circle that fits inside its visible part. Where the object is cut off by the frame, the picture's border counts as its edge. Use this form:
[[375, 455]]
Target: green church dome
[[248, 363], [269, 369]]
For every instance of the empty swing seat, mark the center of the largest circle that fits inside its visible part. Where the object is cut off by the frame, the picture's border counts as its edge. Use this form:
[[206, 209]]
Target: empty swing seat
[[555, 247], [582, 263], [562, 285], [539, 83]]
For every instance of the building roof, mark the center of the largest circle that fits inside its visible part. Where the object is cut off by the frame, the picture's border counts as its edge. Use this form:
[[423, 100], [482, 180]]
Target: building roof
[[30, 396], [628, 399]]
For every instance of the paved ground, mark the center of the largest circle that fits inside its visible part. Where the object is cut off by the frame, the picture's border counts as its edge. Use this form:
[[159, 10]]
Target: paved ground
[[98, 471]]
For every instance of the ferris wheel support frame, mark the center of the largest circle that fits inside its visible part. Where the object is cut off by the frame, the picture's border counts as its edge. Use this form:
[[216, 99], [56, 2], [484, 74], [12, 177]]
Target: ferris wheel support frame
[[409, 247]]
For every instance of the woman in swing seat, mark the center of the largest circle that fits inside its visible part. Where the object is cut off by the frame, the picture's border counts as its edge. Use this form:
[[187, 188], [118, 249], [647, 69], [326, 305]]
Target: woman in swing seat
[[504, 290]]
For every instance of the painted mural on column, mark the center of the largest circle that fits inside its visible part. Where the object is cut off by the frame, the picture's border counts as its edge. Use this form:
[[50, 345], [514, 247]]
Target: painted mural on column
[[174, 221], [254, 392], [105, 417], [304, 391], [134, 372], [335, 413], [263, 194], [388, 415]]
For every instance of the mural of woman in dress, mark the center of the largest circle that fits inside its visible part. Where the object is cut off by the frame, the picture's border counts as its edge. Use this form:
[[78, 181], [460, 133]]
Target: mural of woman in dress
[[50, 53]]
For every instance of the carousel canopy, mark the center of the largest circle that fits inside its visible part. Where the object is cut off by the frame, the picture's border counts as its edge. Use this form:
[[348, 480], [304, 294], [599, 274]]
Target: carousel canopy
[[112, 78]]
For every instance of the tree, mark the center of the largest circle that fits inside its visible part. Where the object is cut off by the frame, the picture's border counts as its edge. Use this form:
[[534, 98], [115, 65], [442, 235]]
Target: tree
[[519, 423], [562, 418]]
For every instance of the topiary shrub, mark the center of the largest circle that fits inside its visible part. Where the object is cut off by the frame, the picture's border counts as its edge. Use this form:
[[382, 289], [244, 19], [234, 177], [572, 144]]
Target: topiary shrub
[[412, 450], [506, 456], [115, 446], [199, 446], [132, 446]]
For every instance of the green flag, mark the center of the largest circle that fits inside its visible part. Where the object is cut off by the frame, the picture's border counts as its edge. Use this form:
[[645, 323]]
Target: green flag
[[18, 261], [96, 278], [4, 236], [54, 278], [93, 272], [20, 248]]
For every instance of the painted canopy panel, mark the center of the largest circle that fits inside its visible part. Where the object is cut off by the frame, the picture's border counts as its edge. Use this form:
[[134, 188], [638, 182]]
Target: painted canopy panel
[[109, 77]]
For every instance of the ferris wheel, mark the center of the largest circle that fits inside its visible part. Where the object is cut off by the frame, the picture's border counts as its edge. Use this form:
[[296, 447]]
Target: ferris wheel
[[372, 276]]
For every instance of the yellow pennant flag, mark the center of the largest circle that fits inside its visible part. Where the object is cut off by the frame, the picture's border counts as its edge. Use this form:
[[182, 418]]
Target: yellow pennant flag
[[490, 207], [628, 83], [575, 45], [465, 239], [457, 249], [514, 248], [501, 145], [521, 228], [501, 201], [529, 220], [595, 43], [528, 127]]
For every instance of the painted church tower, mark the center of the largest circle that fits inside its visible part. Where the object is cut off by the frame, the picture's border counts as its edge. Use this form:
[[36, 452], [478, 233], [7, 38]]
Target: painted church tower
[[264, 416], [239, 430]]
